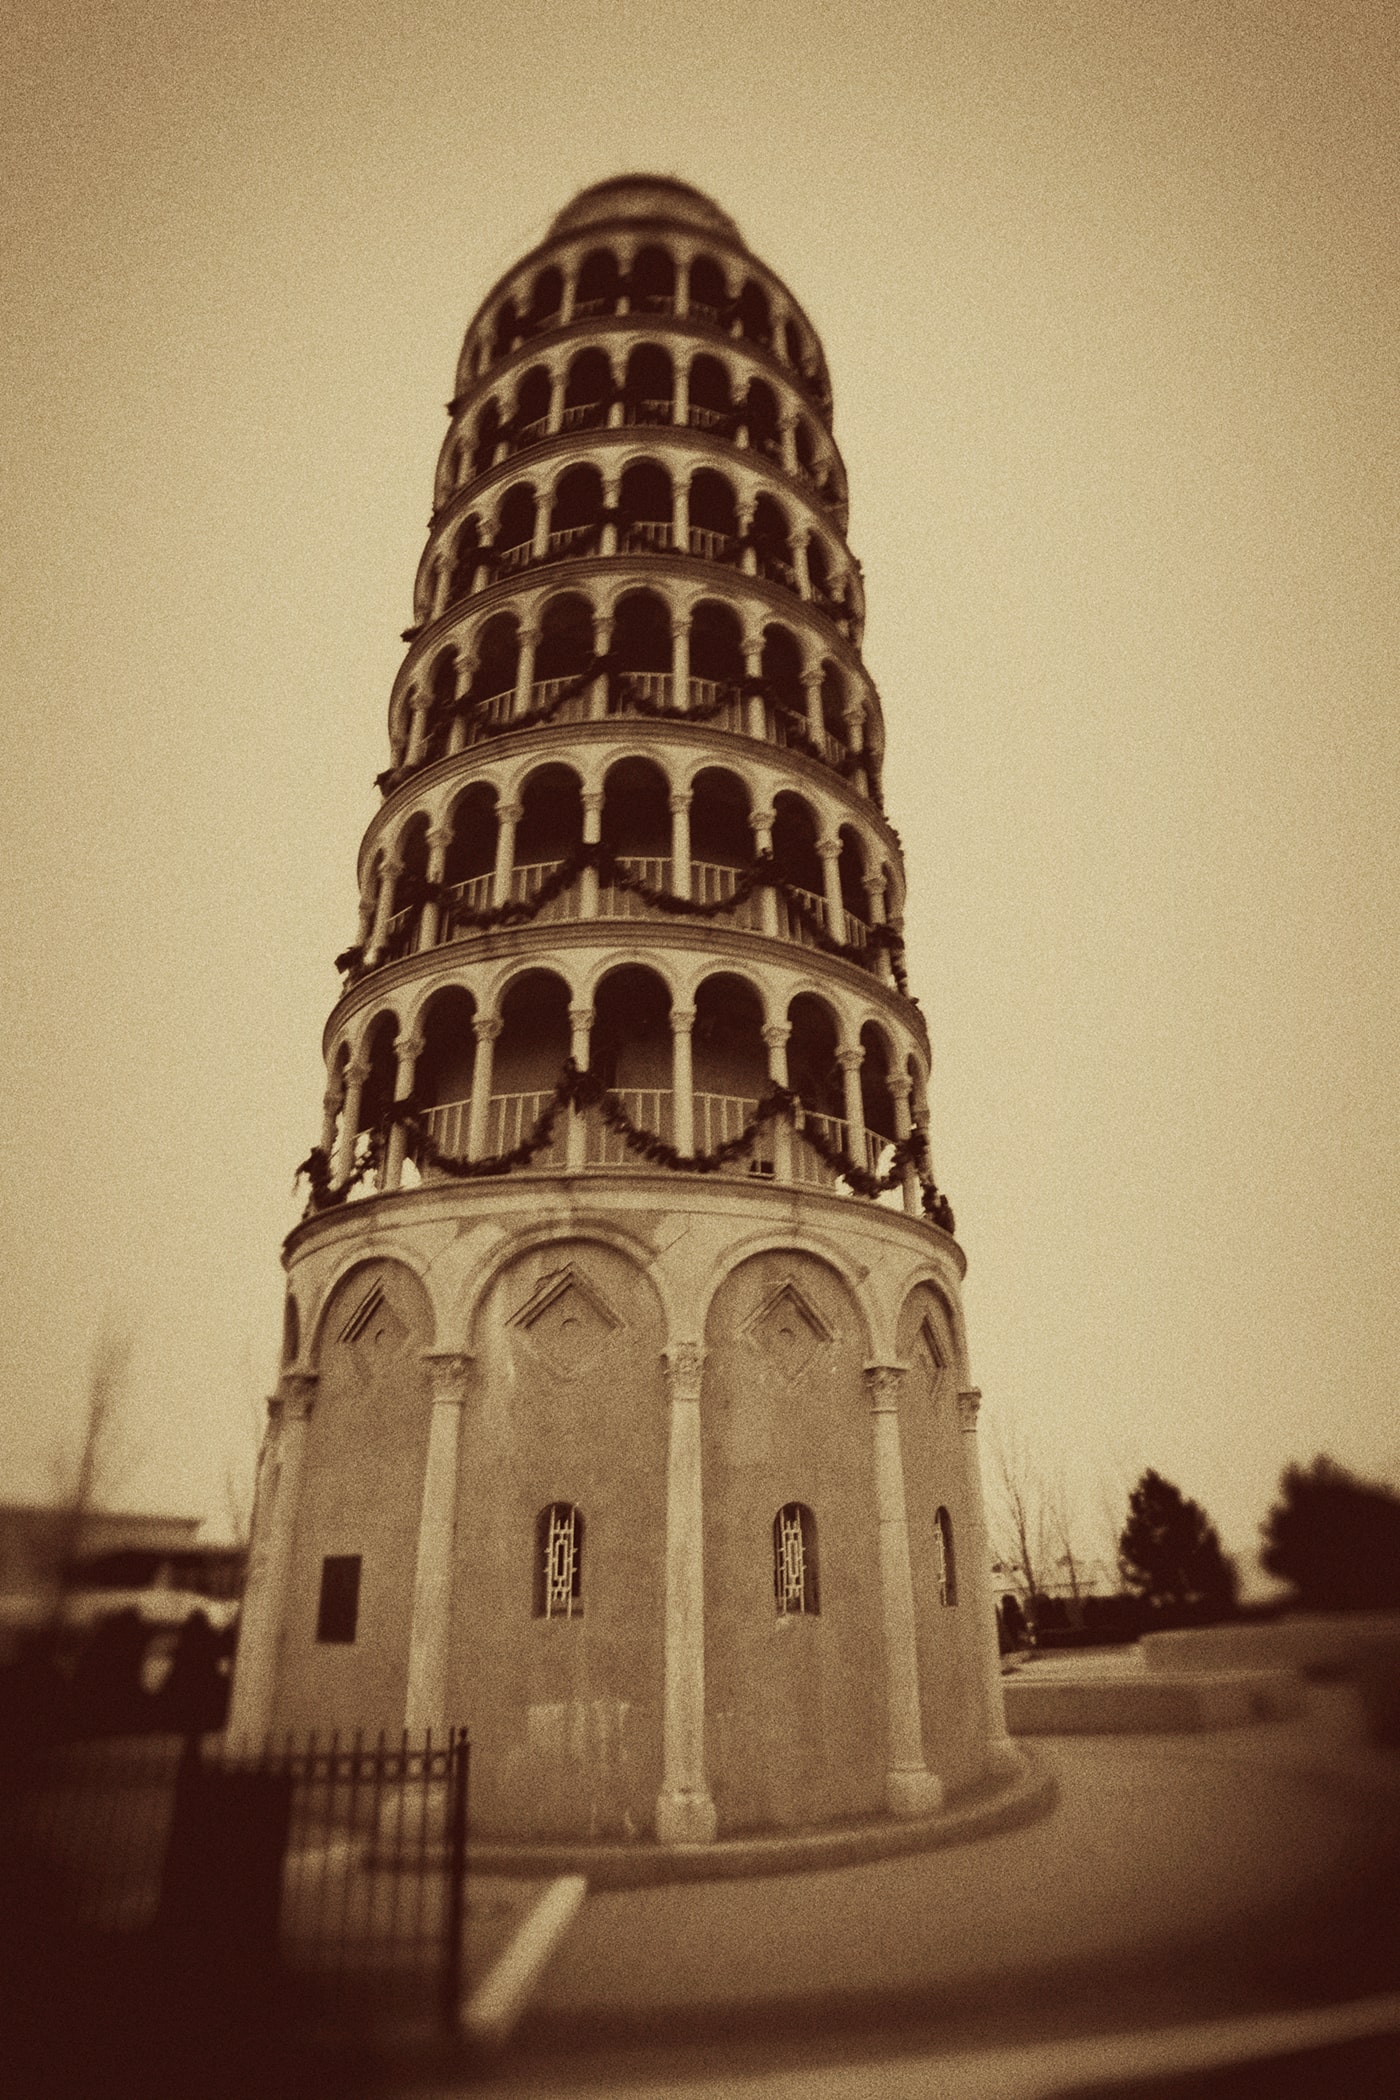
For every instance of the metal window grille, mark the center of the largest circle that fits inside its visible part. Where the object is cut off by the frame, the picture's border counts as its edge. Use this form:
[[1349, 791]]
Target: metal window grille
[[793, 1573], [561, 1561]]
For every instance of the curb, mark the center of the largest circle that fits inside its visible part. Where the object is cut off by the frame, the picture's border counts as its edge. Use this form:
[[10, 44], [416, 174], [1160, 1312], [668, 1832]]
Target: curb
[[1029, 1793]]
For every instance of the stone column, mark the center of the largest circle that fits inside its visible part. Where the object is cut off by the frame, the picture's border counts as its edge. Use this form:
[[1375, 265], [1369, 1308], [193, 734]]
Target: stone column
[[816, 720], [581, 1029], [680, 842], [384, 908], [850, 1062], [417, 734], [557, 386], [910, 1788], [874, 886], [748, 559], [612, 482], [685, 1814], [331, 1102], [775, 1035], [486, 1028], [799, 565], [592, 799], [568, 296], [602, 642], [761, 825], [680, 394], [682, 1083], [409, 1049], [829, 853], [973, 1571], [525, 670], [680, 660], [508, 815], [680, 521], [756, 714], [264, 1610], [356, 1073], [437, 1529], [787, 438], [903, 1128], [439, 840]]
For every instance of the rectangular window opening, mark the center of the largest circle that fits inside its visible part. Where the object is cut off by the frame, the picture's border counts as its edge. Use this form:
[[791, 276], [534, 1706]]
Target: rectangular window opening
[[338, 1612]]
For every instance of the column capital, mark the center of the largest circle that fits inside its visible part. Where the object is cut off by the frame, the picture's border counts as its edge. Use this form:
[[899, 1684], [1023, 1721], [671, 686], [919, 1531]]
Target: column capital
[[899, 1086], [828, 849], [685, 1361], [813, 675], [592, 800], [486, 1027], [882, 1383], [681, 799], [510, 811], [297, 1392], [440, 837], [969, 1403], [762, 819], [682, 1019], [357, 1071], [680, 624], [408, 1046], [448, 1371], [850, 1060], [580, 1016], [776, 1033], [391, 866], [529, 631], [333, 1098]]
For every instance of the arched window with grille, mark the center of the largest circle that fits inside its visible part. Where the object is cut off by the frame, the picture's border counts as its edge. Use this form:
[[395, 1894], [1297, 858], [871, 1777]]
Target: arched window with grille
[[795, 1560], [559, 1561], [947, 1563]]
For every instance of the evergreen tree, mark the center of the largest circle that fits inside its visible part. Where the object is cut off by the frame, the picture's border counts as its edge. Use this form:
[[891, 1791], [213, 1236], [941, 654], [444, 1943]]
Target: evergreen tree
[[1335, 1538], [1170, 1554]]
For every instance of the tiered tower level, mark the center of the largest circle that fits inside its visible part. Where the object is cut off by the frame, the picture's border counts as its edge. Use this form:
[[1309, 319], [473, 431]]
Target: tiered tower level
[[625, 1412]]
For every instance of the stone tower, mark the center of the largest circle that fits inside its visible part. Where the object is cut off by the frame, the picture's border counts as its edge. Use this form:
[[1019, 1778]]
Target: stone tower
[[625, 1411]]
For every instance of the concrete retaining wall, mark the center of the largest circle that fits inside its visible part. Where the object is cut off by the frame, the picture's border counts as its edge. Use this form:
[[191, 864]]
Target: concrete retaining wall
[[1151, 1705], [1333, 1644]]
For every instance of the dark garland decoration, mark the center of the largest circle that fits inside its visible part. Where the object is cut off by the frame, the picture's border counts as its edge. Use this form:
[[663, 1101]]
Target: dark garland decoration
[[584, 1090], [761, 873]]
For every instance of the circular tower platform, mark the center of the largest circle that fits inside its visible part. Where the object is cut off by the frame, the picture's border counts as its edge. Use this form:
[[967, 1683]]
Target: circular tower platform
[[625, 1413]]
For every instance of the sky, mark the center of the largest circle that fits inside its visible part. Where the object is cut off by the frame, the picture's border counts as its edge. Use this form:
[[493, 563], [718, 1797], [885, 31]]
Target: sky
[[1109, 299]]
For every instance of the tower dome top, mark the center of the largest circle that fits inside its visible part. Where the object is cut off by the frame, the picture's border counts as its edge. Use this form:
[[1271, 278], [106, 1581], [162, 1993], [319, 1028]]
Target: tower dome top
[[643, 197]]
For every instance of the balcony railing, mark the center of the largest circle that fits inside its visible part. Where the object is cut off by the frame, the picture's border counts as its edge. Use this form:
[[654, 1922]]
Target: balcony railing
[[713, 883], [530, 434], [701, 418], [647, 536], [508, 559], [584, 415], [571, 539], [654, 303], [649, 413], [713, 546], [626, 904]]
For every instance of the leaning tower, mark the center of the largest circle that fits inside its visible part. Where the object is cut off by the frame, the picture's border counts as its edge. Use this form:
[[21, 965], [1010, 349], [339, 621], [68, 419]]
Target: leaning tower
[[625, 1411]]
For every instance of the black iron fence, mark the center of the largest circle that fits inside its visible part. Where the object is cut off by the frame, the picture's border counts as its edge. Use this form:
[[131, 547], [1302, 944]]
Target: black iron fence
[[334, 1865]]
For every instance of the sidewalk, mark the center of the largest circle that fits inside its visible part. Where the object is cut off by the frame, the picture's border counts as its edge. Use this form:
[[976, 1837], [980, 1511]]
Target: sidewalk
[[1179, 1879]]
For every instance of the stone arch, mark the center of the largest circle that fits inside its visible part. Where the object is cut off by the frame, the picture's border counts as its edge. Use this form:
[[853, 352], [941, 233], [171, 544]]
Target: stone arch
[[362, 1485], [795, 1705], [568, 1405]]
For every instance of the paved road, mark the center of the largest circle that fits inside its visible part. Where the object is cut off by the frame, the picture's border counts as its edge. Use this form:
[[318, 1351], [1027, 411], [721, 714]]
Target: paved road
[[1180, 1879]]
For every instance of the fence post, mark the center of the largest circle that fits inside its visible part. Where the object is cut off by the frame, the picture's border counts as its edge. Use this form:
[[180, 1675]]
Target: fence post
[[458, 1758]]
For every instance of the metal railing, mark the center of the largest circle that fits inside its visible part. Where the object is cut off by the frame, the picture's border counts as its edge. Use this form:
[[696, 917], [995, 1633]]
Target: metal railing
[[338, 1864]]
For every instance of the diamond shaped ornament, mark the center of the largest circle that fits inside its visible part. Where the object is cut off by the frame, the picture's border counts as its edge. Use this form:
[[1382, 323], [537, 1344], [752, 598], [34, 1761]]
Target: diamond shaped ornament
[[787, 1332], [568, 1324]]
